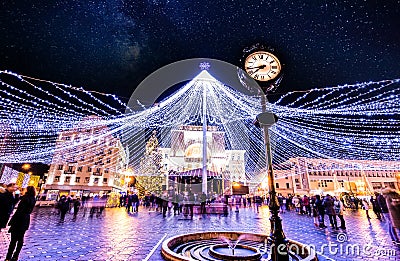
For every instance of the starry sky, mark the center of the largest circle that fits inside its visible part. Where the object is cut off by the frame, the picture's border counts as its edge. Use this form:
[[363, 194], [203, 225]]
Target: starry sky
[[112, 45]]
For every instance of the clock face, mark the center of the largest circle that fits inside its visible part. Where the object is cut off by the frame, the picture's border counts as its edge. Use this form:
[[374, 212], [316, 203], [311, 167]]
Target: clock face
[[262, 66]]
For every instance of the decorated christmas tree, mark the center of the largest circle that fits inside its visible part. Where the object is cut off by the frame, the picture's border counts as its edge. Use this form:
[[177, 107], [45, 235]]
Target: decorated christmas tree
[[150, 178]]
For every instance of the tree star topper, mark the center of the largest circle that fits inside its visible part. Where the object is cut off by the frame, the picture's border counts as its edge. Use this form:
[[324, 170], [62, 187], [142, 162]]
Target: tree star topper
[[204, 66]]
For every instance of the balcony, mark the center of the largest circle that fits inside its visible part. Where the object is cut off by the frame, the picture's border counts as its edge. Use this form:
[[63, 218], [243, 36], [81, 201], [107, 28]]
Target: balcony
[[97, 174], [67, 172]]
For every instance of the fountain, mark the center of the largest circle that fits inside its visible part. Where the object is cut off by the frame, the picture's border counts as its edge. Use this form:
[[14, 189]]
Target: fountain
[[239, 252], [227, 245], [229, 249]]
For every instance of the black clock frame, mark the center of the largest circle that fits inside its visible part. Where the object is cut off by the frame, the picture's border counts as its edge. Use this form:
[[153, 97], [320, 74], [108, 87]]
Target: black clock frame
[[266, 86]]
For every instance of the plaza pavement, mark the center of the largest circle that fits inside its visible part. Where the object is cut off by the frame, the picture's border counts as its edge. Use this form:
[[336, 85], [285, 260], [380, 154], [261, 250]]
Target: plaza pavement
[[119, 236]]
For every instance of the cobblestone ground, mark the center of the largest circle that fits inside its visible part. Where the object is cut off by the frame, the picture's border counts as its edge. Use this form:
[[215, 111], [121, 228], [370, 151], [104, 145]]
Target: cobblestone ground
[[119, 236]]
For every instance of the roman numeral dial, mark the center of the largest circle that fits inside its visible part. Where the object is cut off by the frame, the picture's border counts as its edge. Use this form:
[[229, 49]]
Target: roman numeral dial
[[262, 66]]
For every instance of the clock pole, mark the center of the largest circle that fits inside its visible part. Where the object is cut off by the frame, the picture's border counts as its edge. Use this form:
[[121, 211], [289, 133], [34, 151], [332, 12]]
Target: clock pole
[[263, 60], [279, 248]]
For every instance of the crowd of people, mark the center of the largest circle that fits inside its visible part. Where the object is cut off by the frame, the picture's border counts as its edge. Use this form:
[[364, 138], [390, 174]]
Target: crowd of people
[[386, 207], [91, 205], [323, 210]]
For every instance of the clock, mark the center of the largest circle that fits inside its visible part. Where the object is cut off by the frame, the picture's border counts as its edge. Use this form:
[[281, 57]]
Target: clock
[[263, 66]]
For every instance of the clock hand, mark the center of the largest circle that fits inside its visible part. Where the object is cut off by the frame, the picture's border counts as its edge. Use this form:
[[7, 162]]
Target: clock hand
[[255, 70], [259, 67]]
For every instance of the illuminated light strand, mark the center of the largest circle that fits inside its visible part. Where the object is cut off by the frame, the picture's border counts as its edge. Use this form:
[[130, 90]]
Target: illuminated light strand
[[234, 113], [23, 77]]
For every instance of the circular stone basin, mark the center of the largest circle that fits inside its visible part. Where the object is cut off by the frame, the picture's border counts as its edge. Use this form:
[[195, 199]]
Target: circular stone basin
[[214, 246], [240, 252]]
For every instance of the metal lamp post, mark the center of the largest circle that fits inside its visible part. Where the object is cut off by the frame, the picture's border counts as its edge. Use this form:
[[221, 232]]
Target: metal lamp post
[[279, 248]]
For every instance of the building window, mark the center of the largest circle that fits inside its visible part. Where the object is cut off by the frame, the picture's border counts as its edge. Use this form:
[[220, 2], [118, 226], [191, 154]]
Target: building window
[[105, 180], [106, 171], [89, 169], [287, 185], [87, 179], [108, 160], [109, 151], [67, 179], [57, 179], [70, 168], [60, 167], [80, 169], [277, 185], [77, 179], [96, 181]]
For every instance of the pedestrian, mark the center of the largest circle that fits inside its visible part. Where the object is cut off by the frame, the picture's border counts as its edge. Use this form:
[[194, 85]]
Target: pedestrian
[[7, 203], [20, 222], [366, 207], [164, 203], [339, 208], [63, 206], [203, 199], [383, 207], [314, 211], [129, 203], [95, 203], [330, 210], [281, 204], [296, 203], [257, 202], [135, 202], [191, 199], [248, 201], [376, 208], [307, 206], [77, 204], [321, 211], [288, 202], [393, 204]]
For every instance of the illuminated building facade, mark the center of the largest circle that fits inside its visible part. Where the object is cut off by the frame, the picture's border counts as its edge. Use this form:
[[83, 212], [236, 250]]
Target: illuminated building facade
[[86, 160], [316, 176]]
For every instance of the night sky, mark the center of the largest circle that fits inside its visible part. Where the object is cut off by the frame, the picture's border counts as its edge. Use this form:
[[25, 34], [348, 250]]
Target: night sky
[[111, 46]]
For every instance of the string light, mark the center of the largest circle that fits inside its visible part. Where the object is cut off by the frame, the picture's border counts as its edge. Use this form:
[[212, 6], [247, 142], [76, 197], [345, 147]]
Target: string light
[[348, 122]]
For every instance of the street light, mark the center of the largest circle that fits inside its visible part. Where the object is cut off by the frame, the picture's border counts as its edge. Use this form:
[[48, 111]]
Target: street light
[[279, 249], [26, 166]]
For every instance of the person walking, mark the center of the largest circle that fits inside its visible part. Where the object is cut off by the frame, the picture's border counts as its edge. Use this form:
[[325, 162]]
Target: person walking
[[330, 210], [339, 208], [203, 199], [63, 206], [7, 203], [135, 202], [20, 222], [314, 211], [365, 206], [376, 208], [393, 205], [321, 211], [77, 204]]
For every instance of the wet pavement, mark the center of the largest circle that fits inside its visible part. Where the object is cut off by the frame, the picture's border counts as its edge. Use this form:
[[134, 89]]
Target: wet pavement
[[117, 235]]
